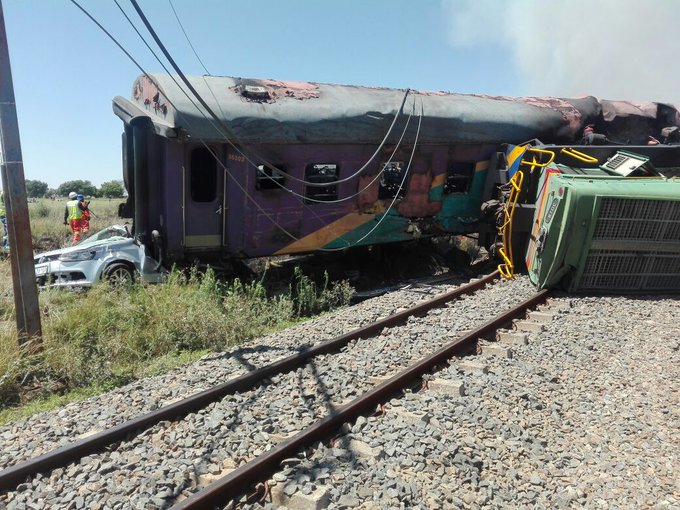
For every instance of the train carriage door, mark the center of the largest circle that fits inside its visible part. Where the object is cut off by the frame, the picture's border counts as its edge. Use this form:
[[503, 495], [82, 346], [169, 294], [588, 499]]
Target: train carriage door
[[203, 199]]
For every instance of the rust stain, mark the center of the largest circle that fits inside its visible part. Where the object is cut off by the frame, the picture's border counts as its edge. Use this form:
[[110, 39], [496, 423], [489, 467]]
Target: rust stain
[[146, 94], [416, 204], [294, 89], [369, 194]]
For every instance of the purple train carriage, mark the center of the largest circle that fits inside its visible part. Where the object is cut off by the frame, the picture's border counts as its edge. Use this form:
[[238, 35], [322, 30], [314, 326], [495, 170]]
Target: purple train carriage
[[292, 167]]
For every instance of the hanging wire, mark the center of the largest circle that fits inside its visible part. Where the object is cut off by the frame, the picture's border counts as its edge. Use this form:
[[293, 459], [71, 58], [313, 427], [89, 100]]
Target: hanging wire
[[396, 195], [229, 173], [227, 132], [187, 37], [245, 192], [277, 183], [214, 155], [238, 184]]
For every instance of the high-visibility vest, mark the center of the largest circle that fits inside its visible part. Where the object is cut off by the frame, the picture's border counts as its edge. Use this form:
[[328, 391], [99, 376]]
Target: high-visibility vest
[[74, 212], [2, 206]]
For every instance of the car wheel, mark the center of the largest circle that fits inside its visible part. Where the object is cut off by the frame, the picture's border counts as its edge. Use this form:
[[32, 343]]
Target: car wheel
[[119, 274]]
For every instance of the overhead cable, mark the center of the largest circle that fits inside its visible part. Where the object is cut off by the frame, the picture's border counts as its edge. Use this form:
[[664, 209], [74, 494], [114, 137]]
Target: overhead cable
[[187, 37], [238, 184], [302, 197], [232, 138]]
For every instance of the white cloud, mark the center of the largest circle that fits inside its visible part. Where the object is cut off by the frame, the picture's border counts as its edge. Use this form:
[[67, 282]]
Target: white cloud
[[614, 49]]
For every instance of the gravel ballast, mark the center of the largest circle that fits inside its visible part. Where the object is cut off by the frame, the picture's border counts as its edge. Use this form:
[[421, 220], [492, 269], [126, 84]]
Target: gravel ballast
[[587, 413]]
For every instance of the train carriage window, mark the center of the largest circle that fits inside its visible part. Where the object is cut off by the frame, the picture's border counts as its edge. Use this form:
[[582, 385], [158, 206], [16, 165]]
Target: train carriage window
[[202, 175], [391, 180], [321, 173], [459, 177], [267, 178]]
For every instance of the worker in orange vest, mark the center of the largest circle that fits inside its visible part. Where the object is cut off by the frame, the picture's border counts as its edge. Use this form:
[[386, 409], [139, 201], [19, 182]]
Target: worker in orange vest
[[73, 215]]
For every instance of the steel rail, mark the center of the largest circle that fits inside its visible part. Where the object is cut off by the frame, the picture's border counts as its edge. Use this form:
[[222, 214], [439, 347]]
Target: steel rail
[[239, 481], [12, 476]]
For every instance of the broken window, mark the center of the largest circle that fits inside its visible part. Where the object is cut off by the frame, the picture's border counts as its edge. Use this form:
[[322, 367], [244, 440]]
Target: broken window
[[459, 177], [321, 173], [391, 180], [267, 178], [202, 175]]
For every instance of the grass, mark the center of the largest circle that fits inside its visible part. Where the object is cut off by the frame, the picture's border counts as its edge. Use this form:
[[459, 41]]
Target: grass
[[107, 337], [47, 221]]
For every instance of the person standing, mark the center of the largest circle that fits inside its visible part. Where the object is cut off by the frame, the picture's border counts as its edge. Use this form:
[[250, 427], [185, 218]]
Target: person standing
[[85, 219], [73, 215], [3, 220]]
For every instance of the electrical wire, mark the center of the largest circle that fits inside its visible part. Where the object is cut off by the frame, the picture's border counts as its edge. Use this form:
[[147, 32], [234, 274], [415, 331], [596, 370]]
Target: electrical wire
[[226, 170], [304, 204], [210, 150], [227, 132], [396, 195], [187, 37], [304, 198]]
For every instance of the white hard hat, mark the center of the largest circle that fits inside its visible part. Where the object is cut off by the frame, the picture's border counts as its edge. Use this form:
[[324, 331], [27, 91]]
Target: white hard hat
[[72, 195]]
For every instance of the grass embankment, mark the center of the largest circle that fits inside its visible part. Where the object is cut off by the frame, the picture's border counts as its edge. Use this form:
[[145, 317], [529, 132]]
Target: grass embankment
[[108, 337]]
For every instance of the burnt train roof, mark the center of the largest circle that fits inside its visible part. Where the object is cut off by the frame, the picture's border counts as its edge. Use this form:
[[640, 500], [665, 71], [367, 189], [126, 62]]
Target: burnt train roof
[[272, 111]]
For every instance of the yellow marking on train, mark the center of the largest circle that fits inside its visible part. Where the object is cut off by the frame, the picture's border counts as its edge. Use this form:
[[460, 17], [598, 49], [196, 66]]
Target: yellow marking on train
[[515, 153], [438, 180], [326, 234], [480, 166]]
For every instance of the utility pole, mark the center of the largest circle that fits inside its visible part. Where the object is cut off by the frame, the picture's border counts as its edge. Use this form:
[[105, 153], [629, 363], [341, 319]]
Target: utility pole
[[18, 223]]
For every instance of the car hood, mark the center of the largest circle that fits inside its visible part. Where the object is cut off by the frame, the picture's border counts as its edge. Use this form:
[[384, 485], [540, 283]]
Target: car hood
[[88, 244], [111, 241]]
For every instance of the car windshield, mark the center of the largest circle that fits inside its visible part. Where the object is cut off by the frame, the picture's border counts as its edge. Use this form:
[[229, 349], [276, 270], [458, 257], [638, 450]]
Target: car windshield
[[114, 233]]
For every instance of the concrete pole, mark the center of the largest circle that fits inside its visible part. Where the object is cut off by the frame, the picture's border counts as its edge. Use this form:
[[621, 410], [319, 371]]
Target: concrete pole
[[18, 224]]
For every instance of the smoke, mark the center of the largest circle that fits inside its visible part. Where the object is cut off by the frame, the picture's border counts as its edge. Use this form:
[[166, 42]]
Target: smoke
[[613, 49]]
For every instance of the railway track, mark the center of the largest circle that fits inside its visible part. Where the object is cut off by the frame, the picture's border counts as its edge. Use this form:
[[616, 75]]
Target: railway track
[[239, 424], [259, 470]]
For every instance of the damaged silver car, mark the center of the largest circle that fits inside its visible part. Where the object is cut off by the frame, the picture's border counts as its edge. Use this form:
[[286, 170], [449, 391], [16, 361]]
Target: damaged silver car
[[111, 254]]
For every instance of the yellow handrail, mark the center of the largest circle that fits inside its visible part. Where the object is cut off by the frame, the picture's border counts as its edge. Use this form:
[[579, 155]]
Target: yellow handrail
[[534, 163], [507, 268], [586, 158]]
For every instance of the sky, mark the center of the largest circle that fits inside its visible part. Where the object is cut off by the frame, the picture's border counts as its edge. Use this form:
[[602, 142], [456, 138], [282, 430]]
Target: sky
[[66, 71]]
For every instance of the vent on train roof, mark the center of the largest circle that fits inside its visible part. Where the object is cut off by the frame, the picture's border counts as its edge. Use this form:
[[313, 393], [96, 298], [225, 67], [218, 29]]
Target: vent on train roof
[[628, 164]]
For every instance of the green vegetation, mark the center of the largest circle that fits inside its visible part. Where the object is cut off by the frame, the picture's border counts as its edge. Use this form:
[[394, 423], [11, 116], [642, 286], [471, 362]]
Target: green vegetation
[[106, 337], [47, 221], [35, 189], [79, 186], [111, 189]]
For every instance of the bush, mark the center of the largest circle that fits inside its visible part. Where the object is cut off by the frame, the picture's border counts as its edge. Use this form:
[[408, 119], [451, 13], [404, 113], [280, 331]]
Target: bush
[[108, 336], [41, 210], [308, 300]]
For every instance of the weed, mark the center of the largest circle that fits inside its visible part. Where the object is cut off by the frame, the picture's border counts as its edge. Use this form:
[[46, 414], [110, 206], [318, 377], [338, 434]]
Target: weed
[[97, 340], [108, 336]]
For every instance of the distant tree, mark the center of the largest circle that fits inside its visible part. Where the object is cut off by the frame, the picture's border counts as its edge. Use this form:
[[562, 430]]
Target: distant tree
[[36, 189], [112, 189], [84, 187]]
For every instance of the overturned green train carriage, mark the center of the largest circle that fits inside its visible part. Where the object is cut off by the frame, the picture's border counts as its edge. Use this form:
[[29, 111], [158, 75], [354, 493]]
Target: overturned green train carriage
[[614, 227]]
